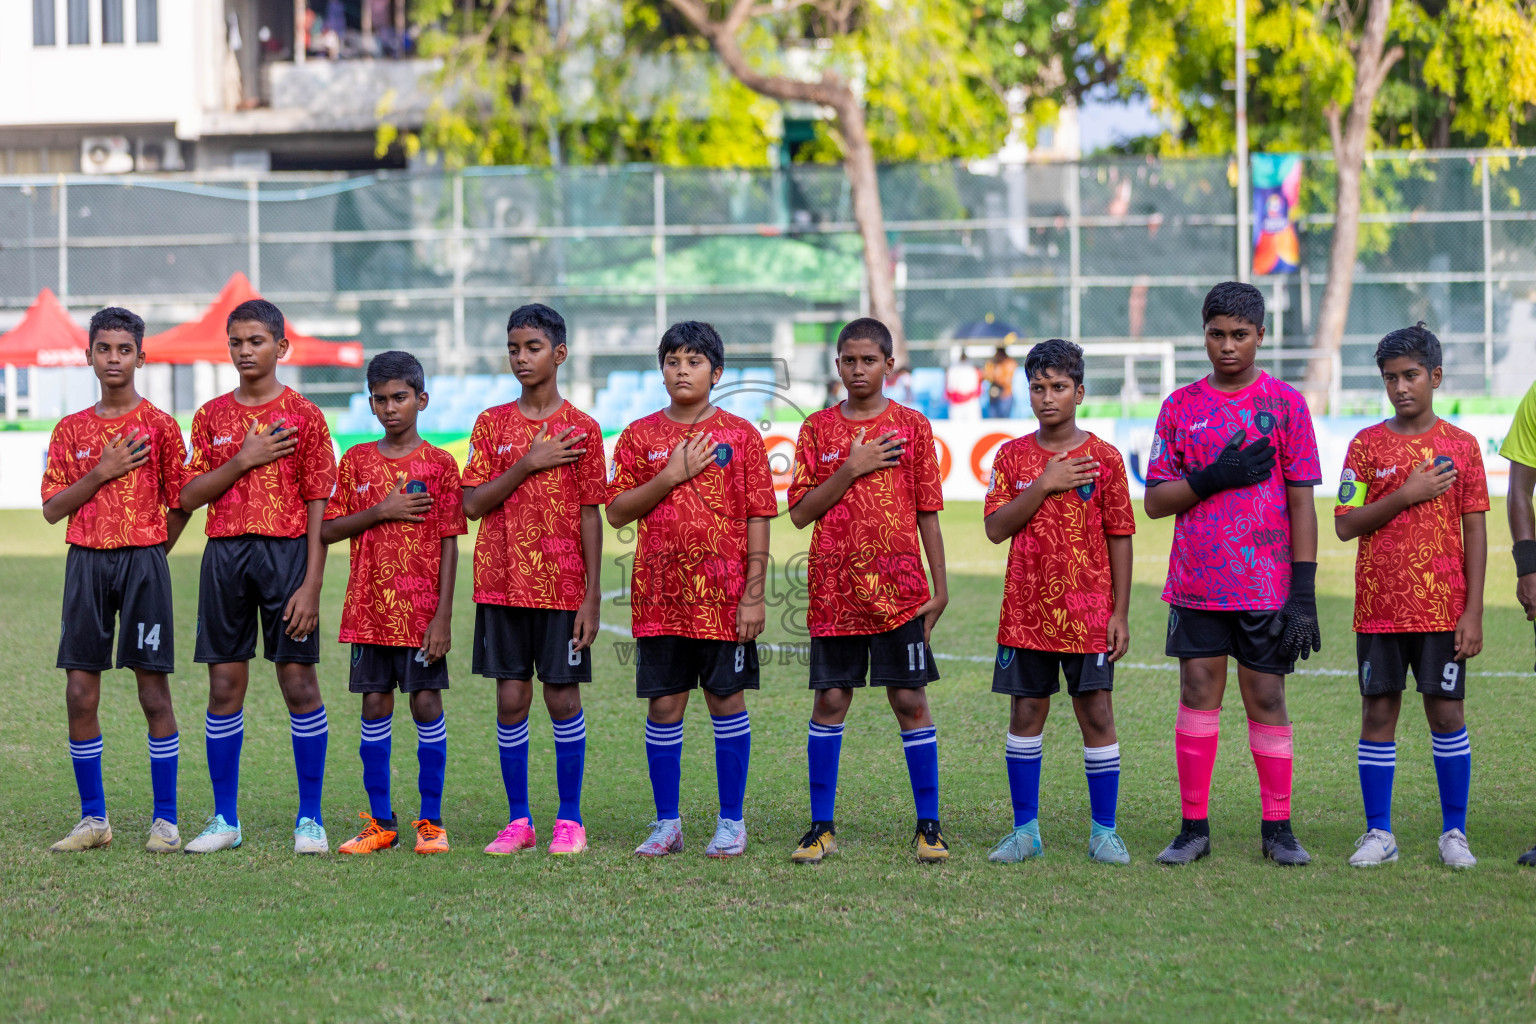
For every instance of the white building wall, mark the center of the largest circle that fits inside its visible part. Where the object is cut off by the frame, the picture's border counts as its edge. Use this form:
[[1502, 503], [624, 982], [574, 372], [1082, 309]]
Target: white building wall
[[170, 81]]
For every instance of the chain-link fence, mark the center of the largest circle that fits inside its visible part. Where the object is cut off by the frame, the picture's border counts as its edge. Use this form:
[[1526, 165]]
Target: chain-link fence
[[1098, 252]]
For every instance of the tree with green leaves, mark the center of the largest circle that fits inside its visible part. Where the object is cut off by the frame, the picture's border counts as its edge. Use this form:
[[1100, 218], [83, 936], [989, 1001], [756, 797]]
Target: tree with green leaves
[[1343, 75]]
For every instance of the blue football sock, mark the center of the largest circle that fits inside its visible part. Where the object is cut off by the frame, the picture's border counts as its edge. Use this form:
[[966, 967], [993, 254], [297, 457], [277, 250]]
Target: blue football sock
[[374, 749], [223, 735], [1453, 770], [1378, 763], [823, 748], [664, 755], [311, 733], [431, 762], [1102, 766], [922, 749], [86, 756], [164, 753], [512, 742], [570, 763], [1023, 759], [733, 756]]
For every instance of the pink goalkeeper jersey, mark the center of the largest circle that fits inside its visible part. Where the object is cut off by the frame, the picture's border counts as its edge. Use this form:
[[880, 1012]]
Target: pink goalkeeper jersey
[[1232, 551]]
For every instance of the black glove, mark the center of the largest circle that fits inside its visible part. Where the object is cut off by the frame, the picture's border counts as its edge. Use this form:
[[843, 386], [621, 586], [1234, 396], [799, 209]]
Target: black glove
[[1299, 616], [1236, 466]]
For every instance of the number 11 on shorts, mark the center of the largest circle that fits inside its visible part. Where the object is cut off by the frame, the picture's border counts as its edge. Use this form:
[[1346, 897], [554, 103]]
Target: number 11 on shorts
[[917, 657]]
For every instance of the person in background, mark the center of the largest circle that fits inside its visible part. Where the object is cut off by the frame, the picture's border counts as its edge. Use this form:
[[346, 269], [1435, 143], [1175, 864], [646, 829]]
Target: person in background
[[962, 387], [998, 374]]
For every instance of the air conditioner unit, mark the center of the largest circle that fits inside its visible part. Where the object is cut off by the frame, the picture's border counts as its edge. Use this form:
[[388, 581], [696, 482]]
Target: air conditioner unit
[[158, 155], [105, 154]]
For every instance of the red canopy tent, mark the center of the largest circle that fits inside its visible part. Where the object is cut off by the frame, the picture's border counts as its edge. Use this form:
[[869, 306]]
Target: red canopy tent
[[205, 340], [46, 336]]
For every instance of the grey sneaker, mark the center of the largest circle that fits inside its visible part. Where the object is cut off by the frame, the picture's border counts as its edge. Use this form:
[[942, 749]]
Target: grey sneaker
[[1019, 845], [1186, 848], [217, 835], [1454, 852], [309, 837], [1285, 849], [1106, 847], [1377, 846], [666, 837], [730, 839]]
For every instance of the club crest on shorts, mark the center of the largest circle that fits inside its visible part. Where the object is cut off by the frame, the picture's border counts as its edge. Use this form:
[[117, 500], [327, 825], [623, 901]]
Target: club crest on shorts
[[1173, 620], [1266, 422], [723, 454], [357, 653], [1004, 656], [1365, 674], [415, 487]]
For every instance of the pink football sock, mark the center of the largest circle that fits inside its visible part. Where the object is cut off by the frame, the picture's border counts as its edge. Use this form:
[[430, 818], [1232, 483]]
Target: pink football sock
[[1272, 756], [1195, 734]]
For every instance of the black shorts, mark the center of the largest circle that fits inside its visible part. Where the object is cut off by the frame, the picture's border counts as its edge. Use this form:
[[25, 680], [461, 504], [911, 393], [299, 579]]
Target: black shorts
[[379, 668], [898, 657], [130, 584], [1021, 672], [665, 665], [1201, 633], [514, 643], [244, 578], [1385, 659]]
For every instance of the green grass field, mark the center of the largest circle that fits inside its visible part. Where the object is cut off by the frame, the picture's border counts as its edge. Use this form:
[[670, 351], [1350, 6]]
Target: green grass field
[[258, 934]]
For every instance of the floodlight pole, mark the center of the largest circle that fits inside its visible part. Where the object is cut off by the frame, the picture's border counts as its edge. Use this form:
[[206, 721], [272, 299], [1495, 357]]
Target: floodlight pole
[[1244, 245]]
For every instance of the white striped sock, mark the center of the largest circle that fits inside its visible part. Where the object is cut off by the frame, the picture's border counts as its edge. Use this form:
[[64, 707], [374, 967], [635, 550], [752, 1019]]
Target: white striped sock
[[730, 726], [920, 736], [85, 750], [432, 732], [219, 727], [1098, 760], [512, 735], [164, 746], [1451, 744], [826, 732], [1025, 748], [660, 735], [572, 729], [315, 723], [378, 730], [1376, 755]]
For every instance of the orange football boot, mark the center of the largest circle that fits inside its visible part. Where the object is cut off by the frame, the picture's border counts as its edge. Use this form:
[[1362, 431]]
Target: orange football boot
[[430, 838], [377, 836]]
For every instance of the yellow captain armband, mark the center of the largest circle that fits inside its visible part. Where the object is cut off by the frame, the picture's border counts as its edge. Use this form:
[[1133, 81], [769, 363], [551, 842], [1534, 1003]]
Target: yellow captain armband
[[1351, 490]]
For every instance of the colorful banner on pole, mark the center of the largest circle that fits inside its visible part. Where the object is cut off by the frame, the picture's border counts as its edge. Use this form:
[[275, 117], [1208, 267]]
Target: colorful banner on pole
[[1276, 192]]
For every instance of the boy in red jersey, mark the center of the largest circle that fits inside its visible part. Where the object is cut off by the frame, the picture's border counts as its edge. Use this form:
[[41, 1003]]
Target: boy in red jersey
[[696, 479], [535, 480], [867, 475], [262, 462], [116, 471], [1061, 495], [1414, 492], [1243, 568], [400, 501]]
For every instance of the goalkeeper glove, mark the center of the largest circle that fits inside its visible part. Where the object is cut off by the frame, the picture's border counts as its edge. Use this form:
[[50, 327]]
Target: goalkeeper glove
[[1298, 619], [1236, 466]]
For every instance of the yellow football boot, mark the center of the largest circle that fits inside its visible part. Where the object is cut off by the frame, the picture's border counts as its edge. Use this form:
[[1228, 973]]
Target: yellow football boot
[[815, 845], [89, 834], [929, 843]]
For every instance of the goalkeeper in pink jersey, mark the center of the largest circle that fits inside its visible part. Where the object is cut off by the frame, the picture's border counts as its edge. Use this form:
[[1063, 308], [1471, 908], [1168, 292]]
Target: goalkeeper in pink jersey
[[1235, 459]]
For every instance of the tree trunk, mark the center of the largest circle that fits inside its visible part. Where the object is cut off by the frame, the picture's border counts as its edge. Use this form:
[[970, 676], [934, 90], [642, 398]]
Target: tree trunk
[[1349, 142], [858, 154], [864, 183]]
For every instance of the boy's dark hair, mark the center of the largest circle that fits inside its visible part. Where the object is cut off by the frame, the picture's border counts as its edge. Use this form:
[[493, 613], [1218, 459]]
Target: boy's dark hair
[[540, 318], [867, 328], [263, 312], [116, 318], [1417, 342], [1235, 299], [1055, 354], [692, 336], [401, 366]]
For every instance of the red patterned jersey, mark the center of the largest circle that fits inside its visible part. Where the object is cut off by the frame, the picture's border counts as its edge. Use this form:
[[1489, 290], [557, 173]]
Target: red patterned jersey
[[691, 553], [866, 567], [1057, 592], [392, 590], [269, 500], [1410, 575], [128, 511], [529, 552]]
